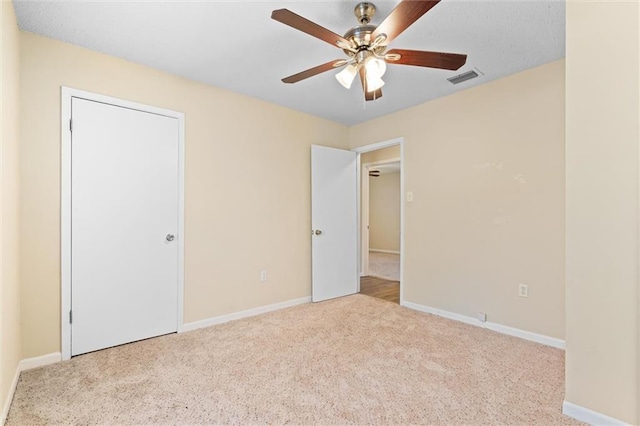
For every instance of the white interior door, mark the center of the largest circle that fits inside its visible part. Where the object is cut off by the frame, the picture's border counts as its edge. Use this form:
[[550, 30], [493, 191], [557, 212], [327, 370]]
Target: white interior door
[[124, 223], [334, 223]]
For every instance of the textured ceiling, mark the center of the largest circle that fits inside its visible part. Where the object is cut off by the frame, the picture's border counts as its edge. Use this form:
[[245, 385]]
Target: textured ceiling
[[235, 45]]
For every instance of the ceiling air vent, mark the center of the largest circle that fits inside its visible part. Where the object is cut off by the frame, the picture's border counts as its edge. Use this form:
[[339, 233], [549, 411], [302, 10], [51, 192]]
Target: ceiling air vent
[[463, 77]]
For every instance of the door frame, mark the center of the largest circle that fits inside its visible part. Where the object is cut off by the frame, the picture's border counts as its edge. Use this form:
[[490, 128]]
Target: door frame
[[67, 94], [364, 203], [373, 147]]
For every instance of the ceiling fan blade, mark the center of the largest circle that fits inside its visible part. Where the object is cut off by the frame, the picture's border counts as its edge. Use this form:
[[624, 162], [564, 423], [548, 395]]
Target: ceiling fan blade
[[406, 13], [315, 71], [421, 58], [372, 96], [306, 26], [369, 96]]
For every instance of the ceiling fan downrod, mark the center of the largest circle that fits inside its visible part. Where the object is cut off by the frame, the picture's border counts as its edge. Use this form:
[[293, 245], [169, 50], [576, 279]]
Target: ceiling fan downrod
[[364, 12]]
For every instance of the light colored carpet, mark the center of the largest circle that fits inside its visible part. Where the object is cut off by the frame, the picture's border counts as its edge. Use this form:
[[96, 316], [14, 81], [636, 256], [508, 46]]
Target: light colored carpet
[[384, 265], [352, 360]]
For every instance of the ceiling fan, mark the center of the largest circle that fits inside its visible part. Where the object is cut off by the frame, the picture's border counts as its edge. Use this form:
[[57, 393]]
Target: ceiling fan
[[374, 173], [366, 44]]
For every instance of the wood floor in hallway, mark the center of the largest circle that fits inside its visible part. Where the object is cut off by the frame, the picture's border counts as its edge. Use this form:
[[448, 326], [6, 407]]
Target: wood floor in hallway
[[380, 288]]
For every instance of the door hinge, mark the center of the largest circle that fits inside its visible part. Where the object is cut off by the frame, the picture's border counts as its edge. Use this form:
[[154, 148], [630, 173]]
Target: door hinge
[[70, 125], [70, 317]]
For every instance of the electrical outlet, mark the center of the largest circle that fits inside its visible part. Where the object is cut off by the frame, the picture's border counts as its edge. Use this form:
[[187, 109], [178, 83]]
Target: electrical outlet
[[523, 290], [482, 316], [263, 276]]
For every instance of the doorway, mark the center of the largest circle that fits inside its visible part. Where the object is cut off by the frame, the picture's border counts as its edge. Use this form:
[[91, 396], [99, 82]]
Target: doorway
[[381, 219], [122, 222]]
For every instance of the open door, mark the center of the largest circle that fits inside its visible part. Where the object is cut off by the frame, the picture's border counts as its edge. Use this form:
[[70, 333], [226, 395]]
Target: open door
[[334, 223]]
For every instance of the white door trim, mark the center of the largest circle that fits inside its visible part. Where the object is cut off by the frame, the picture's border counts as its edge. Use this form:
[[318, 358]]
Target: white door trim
[[364, 213], [65, 202], [373, 147]]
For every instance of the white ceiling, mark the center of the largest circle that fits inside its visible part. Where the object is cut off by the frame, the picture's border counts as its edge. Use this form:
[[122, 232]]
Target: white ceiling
[[237, 46]]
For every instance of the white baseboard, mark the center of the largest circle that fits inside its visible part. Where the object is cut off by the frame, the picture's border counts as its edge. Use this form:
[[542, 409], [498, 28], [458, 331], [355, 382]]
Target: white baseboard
[[24, 365], [244, 314], [589, 416], [384, 251], [441, 313], [39, 361], [7, 403], [516, 332], [526, 335]]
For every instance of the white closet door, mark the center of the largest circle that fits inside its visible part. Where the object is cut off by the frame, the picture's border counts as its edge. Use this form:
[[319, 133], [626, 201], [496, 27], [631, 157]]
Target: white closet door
[[124, 224]]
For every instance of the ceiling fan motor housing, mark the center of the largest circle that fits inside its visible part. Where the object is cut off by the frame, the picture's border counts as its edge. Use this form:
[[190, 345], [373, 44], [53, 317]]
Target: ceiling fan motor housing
[[360, 36]]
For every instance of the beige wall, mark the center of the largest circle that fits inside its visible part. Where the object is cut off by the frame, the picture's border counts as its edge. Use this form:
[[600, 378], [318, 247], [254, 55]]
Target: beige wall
[[384, 212], [486, 167], [603, 135], [489, 209], [10, 352], [389, 153], [243, 214]]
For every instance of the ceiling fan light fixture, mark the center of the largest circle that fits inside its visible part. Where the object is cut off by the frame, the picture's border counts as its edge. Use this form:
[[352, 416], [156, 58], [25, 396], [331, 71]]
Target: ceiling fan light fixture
[[374, 83], [375, 67], [347, 75]]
